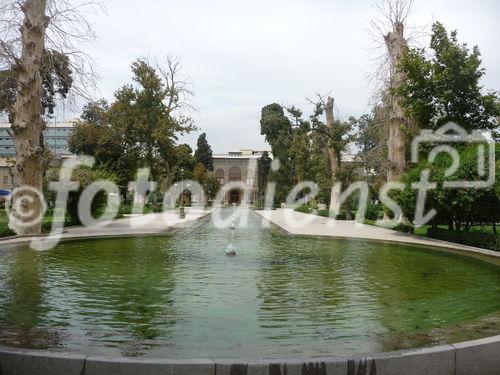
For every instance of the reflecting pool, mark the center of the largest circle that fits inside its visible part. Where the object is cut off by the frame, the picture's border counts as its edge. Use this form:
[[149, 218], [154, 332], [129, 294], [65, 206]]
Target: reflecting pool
[[180, 296]]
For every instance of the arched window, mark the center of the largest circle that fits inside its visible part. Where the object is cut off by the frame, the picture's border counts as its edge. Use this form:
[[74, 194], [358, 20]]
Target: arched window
[[219, 173], [234, 174]]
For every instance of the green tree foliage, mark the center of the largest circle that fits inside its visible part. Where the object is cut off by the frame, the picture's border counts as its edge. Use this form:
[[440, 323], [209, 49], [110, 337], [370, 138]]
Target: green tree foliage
[[84, 176], [320, 167], [445, 85], [263, 169], [113, 148], [139, 129], [339, 136], [203, 153], [458, 208], [211, 186], [277, 129], [207, 180], [200, 173], [183, 163], [57, 79], [301, 146]]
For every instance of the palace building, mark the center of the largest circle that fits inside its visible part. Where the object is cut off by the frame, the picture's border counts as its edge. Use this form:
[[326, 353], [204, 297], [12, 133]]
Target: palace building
[[238, 168]]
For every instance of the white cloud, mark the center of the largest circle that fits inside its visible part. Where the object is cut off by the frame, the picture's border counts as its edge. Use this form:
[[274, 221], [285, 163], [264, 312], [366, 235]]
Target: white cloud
[[242, 55]]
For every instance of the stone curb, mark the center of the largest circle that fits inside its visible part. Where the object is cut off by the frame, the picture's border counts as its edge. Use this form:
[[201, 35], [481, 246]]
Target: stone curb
[[23, 240], [479, 357], [489, 256]]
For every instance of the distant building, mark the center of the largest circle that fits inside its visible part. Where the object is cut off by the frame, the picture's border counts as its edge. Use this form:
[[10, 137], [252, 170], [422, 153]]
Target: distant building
[[238, 166], [5, 177], [56, 137]]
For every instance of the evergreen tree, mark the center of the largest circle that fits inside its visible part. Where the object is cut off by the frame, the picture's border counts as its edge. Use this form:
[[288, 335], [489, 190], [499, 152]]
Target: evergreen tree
[[203, 153], [277, 128], [263, 169]]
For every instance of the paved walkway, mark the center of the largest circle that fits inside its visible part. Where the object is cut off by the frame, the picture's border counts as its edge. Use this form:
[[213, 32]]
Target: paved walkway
[[157, 223], [298, 223]]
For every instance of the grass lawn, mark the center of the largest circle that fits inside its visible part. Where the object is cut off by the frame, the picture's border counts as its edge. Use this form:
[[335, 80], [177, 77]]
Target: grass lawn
[[488, 229], [4, 224]]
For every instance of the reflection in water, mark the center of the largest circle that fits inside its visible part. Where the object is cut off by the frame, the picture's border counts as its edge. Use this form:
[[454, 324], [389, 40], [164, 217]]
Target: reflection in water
[[22, 296], [182, 297], [132, 289]]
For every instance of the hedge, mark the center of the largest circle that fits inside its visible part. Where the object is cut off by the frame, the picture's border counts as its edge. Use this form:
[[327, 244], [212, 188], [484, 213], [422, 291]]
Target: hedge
[[306, 209], [482, 240]]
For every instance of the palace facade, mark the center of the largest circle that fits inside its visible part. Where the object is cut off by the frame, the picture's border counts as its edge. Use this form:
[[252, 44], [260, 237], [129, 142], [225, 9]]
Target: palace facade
[[239, 170]]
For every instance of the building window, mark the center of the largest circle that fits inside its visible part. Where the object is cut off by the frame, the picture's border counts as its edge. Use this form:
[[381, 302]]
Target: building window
[[234, 174], [5, 181]]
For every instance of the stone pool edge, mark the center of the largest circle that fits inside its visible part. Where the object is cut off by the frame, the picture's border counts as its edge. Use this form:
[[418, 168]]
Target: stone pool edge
[[478, 357], [393, 237], [88, 233]]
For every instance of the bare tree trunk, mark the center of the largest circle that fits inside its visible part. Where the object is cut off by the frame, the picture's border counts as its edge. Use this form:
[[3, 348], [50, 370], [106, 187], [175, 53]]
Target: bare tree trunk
[[27, 120], [396, 45], [333, 156]]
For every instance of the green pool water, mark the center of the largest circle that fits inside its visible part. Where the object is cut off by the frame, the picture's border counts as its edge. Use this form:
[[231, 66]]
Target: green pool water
[[180, 296]]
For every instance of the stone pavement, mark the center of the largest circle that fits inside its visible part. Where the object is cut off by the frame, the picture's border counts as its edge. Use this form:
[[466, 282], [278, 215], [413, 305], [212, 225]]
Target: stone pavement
[[298, 223], [156, 223]]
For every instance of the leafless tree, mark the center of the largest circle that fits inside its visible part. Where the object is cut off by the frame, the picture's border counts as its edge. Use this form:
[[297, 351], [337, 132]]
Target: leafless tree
[[337, 138], [40, 57], [179, 90], [392, 35]]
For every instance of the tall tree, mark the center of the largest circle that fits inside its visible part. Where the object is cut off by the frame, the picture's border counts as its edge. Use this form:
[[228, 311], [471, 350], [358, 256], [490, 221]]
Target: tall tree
[[114, 148], [183, 162], [277, 129], [333, 153], [203, 153], [445, 86], [140, 128], [337, 136], [300, 143], [263, 169], [392, 29], [26, 115], [38, 60]]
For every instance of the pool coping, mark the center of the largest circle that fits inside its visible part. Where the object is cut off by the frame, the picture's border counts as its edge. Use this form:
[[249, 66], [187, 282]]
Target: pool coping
[[477, 357], [122, 233], [485, 255]]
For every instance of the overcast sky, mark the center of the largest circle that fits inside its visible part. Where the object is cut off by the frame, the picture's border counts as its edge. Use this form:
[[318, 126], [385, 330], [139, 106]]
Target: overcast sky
[[242, 55]]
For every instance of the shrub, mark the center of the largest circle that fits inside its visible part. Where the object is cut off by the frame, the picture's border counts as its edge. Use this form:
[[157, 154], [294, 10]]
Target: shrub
[[374, 211], [459, 208], [326, 213], [5, 231], [482, 240], [405, 228], [84, 176], [304, 208]]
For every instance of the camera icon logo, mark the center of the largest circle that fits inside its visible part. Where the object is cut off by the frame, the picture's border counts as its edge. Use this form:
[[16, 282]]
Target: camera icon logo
[[443, 140]]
